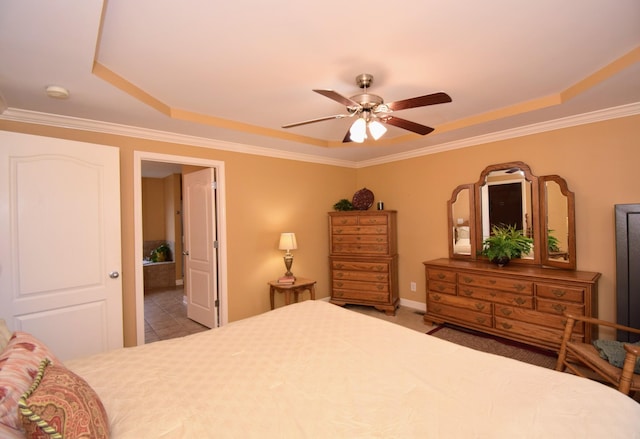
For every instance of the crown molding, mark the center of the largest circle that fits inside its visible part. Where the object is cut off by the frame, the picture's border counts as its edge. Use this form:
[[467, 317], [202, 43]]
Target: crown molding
[[565, 122], [76, 123], [48, 119]]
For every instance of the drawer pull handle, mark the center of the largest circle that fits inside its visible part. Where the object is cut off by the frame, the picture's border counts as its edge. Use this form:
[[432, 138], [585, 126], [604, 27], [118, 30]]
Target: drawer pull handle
[[479, 306], [339, 274], [437, 309], [467, 292], [339, 284], [467, 280], [380, 277], [559, 308], [441, 287], [436, 297], [506, 311], [338, 230], [380, 287], [480, 319], [339, 266], [493, 294], [519, 300], [506, 326], [558, 293], [441, 276], [520, 287], [492, 281]]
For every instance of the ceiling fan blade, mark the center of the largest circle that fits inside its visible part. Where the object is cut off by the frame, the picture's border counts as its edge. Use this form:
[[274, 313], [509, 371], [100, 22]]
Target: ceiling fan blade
[[347, 137], [408, 125], [421, 101], [320, 119], [331, 94]]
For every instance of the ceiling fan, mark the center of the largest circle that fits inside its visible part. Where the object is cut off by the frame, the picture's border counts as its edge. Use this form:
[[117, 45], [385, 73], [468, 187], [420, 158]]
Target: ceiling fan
[[372, 112]]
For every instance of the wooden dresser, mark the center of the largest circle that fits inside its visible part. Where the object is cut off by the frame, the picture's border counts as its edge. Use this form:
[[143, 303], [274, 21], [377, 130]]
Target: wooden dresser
[[518, 302], [363, 259]]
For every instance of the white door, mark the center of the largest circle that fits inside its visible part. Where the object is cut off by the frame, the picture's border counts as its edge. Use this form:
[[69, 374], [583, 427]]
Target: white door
[[200, 247], [60, 254]]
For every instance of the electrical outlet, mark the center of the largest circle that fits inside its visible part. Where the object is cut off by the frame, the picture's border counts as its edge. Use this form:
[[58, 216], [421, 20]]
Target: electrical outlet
[[413, 286]]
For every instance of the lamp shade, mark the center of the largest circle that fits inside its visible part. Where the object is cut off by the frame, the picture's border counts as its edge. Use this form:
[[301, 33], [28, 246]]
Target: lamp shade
[[288, 241], [358, 131], [376, 129]]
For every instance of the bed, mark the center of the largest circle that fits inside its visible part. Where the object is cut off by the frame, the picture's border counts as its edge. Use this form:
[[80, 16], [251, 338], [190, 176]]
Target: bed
[[462, 242], [316, 370]]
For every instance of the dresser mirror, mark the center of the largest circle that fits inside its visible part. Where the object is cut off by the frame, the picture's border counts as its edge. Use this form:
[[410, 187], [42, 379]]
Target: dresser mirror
[[510, 194], [462, 243]]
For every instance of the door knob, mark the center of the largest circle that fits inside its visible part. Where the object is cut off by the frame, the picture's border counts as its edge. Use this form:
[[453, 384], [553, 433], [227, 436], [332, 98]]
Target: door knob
[[186, 253], [114, 275]]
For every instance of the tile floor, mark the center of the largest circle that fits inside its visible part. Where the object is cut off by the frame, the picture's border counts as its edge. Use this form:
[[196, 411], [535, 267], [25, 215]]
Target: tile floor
[[165, 315]]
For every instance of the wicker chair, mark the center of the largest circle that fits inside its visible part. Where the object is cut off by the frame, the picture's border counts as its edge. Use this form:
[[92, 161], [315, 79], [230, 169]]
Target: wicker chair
[[587, 355]]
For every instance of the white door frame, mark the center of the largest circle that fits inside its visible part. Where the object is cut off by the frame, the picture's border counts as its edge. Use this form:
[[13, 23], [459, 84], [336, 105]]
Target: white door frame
[[138, 158]]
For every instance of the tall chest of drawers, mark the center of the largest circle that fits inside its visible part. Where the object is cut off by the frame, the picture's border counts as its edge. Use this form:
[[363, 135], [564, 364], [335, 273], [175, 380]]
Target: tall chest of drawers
[[363, 259], [517, 302]]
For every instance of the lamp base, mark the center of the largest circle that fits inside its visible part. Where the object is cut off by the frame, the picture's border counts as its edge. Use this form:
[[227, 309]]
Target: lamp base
[[288, 262]]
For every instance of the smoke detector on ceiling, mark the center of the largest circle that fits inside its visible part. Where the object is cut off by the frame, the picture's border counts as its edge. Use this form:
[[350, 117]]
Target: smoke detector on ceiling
[[57, 92]]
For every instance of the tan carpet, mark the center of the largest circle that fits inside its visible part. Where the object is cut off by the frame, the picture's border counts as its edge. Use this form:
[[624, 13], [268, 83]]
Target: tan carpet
[[495, 345]]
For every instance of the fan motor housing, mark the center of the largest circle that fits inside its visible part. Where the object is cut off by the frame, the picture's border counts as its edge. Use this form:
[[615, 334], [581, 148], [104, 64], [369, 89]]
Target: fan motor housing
[[367, 101]]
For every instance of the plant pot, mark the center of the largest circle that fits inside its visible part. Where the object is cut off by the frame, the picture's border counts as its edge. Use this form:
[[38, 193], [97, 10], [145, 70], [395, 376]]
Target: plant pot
[[501, 261]]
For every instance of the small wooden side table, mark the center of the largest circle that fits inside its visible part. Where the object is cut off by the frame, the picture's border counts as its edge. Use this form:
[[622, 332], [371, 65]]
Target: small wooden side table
[[298, 287]]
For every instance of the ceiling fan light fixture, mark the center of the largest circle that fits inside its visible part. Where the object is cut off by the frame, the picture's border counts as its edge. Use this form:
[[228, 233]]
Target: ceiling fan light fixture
[[377, 129], [358, 131]]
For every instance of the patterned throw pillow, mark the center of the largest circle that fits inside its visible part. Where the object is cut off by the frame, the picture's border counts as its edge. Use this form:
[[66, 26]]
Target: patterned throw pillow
[[18, 367], [60, 404]]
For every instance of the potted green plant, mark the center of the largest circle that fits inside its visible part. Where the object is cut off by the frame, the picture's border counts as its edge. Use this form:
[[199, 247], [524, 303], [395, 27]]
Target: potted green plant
[[505, 243], [343, 205]]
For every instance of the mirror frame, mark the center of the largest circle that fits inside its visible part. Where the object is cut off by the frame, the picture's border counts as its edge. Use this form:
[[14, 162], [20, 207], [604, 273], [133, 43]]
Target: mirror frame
[[452, 224], [539, 212], [570, 263]]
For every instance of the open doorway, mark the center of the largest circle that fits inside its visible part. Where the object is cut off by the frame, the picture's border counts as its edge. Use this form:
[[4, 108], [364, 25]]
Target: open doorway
[[150, 164]]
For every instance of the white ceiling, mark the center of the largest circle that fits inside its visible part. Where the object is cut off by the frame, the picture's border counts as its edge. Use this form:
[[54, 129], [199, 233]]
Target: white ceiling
[[245, 68]]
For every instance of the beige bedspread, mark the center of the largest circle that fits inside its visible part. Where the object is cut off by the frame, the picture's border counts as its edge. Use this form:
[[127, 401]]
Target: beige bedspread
[[314, 370]]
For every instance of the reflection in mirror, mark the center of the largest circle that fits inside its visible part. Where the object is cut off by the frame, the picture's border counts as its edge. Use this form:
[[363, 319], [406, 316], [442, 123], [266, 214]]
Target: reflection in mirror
[[461, 243], [460, 213], [506, 197], [557, 222], [557, 206]]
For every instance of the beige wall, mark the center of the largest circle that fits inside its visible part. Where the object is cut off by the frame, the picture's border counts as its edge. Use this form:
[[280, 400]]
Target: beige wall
[[266, 196]]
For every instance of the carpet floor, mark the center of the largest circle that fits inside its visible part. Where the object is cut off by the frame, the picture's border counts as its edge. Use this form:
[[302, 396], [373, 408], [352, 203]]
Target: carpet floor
[[495, 345]]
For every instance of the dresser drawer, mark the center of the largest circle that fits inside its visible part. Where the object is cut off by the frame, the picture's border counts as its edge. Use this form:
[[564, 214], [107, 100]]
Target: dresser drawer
[[360, 266], [559, 308], [350, 220], [361, 276], [455, 314], [496, 296], [442, 287], [534, 317], [372, 219], [441, 275], [544, 336], [560, 292], [511, 285], [470, 304]]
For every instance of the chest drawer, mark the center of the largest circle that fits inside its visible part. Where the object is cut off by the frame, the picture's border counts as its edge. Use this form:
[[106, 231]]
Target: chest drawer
[[366, 276], [560, 292], [375, 267], [505, 284]]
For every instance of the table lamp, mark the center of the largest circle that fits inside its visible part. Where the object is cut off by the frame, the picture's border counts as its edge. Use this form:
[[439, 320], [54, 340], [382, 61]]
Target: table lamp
[[288, 243]]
